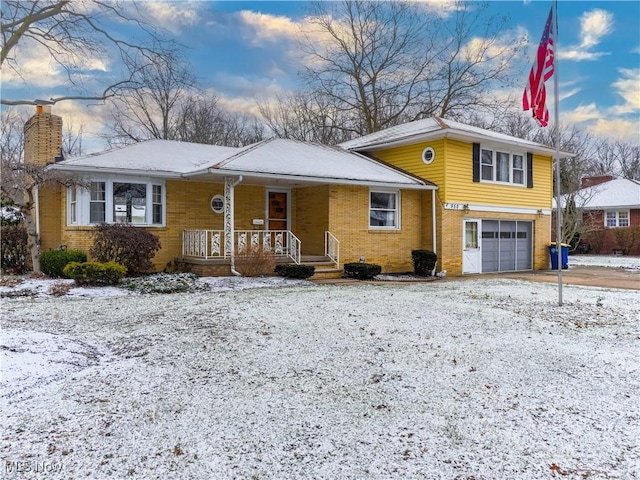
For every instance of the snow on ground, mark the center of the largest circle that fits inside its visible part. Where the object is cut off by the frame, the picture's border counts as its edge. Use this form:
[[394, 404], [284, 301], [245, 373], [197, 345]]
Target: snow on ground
[[614, 261], [482, 379]]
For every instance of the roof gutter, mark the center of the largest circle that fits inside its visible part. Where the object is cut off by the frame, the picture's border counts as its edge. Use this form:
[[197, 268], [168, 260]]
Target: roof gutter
[[303, 178], [463, 136], [116, 171]]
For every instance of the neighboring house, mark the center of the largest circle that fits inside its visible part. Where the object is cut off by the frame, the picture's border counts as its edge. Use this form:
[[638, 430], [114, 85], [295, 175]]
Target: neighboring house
[[608, 204], [494, 191], [485, 206]]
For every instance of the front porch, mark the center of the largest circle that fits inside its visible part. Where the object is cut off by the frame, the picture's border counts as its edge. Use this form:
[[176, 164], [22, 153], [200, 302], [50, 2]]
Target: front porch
[[213, 253]]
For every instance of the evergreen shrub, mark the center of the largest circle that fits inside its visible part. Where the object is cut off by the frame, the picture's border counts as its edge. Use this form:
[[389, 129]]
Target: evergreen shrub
[[362, 271], [52, 263], [292, 270], [95, 273], [424, 261]]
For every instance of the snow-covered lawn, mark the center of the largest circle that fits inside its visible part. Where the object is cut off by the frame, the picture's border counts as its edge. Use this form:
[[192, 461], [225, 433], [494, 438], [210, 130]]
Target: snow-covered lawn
[[614, 261], [481, 379]]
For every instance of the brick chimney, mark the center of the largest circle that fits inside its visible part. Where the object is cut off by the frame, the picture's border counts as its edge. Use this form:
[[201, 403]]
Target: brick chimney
[[42, 136], [42, 144], [591, 181]]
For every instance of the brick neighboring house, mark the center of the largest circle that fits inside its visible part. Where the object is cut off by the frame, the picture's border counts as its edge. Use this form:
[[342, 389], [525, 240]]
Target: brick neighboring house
[[609, 204], [481, 200]]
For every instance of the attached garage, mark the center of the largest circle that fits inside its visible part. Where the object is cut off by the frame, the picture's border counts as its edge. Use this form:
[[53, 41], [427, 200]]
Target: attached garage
[[502, 246]]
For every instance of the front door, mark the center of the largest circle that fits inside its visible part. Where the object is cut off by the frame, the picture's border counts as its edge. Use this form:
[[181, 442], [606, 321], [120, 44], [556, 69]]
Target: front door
[[471, 256], [277, 210]]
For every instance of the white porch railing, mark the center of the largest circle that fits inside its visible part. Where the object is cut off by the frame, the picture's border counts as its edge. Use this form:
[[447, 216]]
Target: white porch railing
[[279, 242], [332, 248], [203, 243], [208, 244]]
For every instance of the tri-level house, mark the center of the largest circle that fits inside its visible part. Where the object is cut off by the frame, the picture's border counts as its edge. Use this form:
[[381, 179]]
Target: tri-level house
[[481, 200]]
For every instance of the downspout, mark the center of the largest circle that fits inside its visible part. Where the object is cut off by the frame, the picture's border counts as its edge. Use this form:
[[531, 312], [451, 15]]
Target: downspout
[[37, 211], [433, 226], [231, 212]]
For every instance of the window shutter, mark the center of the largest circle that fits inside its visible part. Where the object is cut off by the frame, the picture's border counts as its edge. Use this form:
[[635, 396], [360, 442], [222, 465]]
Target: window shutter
[[529, 170], [476, 162]]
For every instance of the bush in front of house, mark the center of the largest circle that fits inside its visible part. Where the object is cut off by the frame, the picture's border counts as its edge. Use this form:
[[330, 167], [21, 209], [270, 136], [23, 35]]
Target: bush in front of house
[[15, 254], [255, 261], [133, 247], [596, 238], [626, 238], [52, 263], [424, 261], [362, 271], [166, 283], [292, 270], [95, 273]]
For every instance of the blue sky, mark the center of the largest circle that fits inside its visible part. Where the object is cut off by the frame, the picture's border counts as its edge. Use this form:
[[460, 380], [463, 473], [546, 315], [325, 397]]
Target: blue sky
[[246, 51]]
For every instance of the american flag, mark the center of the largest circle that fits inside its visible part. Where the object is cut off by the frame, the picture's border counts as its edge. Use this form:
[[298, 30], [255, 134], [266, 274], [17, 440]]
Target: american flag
[[535, 93]]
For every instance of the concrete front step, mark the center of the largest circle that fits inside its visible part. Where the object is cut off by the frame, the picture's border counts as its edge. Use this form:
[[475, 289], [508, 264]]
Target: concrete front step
[[327, 273]]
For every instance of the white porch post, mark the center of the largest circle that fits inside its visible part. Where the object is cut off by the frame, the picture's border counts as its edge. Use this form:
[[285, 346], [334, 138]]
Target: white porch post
[[228, 217], [229, 223]]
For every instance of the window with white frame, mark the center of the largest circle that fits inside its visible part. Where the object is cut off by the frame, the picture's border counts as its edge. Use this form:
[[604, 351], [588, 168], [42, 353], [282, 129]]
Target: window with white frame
[[384, 209], [73, 206], [139, 202], [618, 218], [502, 167], [98, 202]]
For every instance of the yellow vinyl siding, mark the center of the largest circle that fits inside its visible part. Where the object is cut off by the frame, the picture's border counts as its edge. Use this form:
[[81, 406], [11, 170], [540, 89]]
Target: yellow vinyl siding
[[452, 171], [409, 158], [460, 187]]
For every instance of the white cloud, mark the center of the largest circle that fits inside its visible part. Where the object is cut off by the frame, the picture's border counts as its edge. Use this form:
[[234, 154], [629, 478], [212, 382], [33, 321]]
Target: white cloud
[[594, 25], [564, 94], [34, 65], [617, 128], [173, 16], [270, 27], [628, 87], [442, 8], [581, 114], [602, 122], [578, 55]]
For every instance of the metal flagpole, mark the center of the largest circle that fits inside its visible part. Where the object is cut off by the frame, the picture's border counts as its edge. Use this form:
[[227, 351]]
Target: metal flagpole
[[557, 140]]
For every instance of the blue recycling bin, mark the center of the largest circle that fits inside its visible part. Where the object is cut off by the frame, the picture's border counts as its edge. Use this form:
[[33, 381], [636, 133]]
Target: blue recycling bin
[[564, 253]]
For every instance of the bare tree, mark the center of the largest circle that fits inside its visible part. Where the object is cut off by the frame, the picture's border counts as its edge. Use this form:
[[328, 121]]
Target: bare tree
[[617, 158], [149, 110], [72, 140], [305, 116], [201, 119], [72, 33], [386, 63], [630, 161]]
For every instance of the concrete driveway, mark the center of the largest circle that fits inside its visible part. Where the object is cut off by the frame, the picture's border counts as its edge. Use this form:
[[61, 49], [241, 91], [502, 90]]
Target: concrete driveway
[[583, 275]]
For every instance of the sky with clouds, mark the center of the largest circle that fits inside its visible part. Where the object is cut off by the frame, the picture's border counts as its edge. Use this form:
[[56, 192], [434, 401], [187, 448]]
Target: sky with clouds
[[247, 52]]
